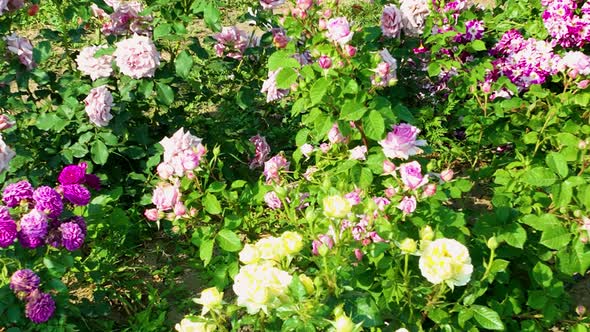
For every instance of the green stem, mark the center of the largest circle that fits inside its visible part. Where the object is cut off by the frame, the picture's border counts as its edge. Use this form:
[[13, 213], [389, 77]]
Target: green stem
[[489, 265]]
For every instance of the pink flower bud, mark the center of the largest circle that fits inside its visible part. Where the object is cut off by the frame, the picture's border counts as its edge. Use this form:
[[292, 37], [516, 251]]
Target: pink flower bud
[[179, 209], [327, 13], [582, 145], [307, 149], [324, 147], [390, 192], [429, 190], [350, 50], [388, 167], [580, 310], [322, 24], [358, 254], [447, 175], [583, 84], [325, 62], [152, 214]]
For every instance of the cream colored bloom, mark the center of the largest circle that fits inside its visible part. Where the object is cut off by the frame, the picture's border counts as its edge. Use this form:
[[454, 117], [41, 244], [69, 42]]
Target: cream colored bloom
[[210, 299], [292, 242], [261, 287], [408, 246], [271, 248], [249, 254], [187, 325], [426, 233], [446, 260], [307, 283], [336, 206]]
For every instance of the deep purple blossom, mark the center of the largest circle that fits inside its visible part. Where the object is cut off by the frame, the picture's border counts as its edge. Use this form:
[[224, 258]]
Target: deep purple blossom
[[72, 235], [8, 232], [73, 174], [40, 307], [48, 201], [77, 194], [23, 282], [14, 193]]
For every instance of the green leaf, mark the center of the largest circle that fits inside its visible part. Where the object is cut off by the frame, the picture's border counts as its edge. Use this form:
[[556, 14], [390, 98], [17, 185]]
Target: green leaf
[[464, 315], [286, 77], [211, 204], [206, 251], [374, 125], [555, 237], [542, 274], [212, 16], [165, 95], [296, 289], [282, 59], [478, 45], [47, 121], [539, 177], [514, 235], [433, 69], [557, 164], [162, 30], [352, 110], [487, 318], [99, 152], [183, 64], [318, 90], [228, 240]]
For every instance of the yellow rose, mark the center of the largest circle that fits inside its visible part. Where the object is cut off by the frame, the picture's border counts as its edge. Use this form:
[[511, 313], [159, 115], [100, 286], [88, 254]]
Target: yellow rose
[[292, 242], [408, 246], [336, 207], [448, 261], [249, 254], [307, 283], [187, 325], [261, 286], [426, 233], [271, 248], [210, 299]]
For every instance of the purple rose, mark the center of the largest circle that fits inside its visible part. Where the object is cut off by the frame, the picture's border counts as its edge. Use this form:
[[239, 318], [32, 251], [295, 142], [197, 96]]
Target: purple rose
[[7, 232], [48, 201], [14, 193], [77, 194], [92, 181], [72, 235], [23, 282], [73, 174], [80, 222], [5, 213], [272, 200], [34, 224], [391, 21], [40, 307]]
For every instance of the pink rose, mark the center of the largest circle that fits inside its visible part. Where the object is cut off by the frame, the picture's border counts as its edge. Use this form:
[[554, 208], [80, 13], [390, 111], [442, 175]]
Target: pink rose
[[388, 167], [381, 202], [350, 50], [94, 67], [401, 142], [182, 153], [165, 171], [273, 166], [304, 4], [6, 154], [5, 122], [307, 149], [272, 200], [98, 12], [270, 87], [414, 13], [322, 24], [179, 209], [323, 240], [166, 196], [232, 42], [408, 204], [411, 174], [358, 254], [354, 197], [262, 150], [447, 175], [23, 48], [325, 62], [324, 147], [429, 190], [358, 153], [279, 37], [391, 21], [137, 57], [577, 62], [339, 30], [390, 192], [334, 135], [152, 214], [98, 106]]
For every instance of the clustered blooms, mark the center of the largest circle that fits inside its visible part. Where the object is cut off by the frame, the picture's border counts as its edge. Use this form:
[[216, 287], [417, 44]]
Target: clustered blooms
[[260, 285], [183, 153], [568, 28], [523, 61], [232, 42], [446, 260], [386, 71], [41, 208], [39, 306], [402, 142], [6, 155], [98, 105], [137, 57], [124, 19], [23, 48], [95, 67]]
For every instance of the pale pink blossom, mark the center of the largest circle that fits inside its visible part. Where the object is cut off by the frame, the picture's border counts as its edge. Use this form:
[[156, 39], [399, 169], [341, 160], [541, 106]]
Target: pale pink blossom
[[411, 175], [137, 57], [272, 200], [324, 147], [388, 167], [408, 204], [165, 171], [262, 150], [5, 122], [6, 154], [391, 21], [359, 153], [182, 154], [577, 62], [273, 166], [390, 192], [402, 142], [322, 24], [98, 12], [98, 106], [358, 254], [179, 209], [354, 197], [309, 172], [429, 190], [270, 4], [152, 214], [232, 42], [386, 71], [381, 202], [307, 149], [270, 87], [447, 175], [583, 84], [304, 4], [23, 48], [323, 239], [335, 136], [414, 13], [339, 30], [94, 67], [125, 18], [165, 196]]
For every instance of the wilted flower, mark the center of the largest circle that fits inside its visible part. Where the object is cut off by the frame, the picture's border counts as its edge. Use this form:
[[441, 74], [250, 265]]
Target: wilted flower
[[262, 150], [92, 66], [98, 106], [279, 37], [270, 87], [307, 149], [232, 42], [137, 57], [272, 200], [23, 48], [448, 261], [335, 136], [414, 13], [358, 153]]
